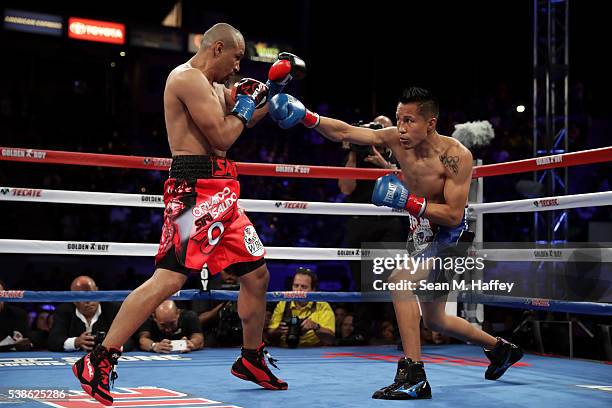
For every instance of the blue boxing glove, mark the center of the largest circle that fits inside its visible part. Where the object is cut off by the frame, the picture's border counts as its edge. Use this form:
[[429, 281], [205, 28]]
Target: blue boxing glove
[[288, 111], [389, 191], [248, 94]]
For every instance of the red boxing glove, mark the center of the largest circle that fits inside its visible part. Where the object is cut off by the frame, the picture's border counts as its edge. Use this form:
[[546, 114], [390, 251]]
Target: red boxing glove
[[416, 205], [282, 71], [288, 66], [252, 88]]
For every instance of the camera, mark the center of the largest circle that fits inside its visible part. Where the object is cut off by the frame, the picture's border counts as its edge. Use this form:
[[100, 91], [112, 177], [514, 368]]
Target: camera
[[294, 325], [230, 286], [229, 328], [371, 125], [365, 150], [99, 337]]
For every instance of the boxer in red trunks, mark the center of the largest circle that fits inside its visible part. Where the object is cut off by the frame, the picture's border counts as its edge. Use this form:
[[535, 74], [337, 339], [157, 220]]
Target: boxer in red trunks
[[204, 229]]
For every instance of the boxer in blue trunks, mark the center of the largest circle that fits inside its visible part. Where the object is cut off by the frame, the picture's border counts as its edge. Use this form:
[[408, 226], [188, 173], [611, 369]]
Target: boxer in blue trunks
[[436, 173], [428, 241]]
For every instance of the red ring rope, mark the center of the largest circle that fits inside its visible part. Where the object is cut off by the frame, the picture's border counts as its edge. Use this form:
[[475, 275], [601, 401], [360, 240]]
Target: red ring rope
[[291, 170]]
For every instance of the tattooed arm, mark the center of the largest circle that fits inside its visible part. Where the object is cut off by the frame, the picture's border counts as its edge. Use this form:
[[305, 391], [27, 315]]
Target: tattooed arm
[[458, 164]]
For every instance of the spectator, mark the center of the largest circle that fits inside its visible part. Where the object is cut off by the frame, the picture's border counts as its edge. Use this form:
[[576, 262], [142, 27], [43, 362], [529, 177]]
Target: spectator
[[219, 320], [426, 337], [303, 324], [348, 335], [82, 325], [42, 326], [439, 338], [159, 334], [340, 313], [433, 337], [385, 334], [14, 331]]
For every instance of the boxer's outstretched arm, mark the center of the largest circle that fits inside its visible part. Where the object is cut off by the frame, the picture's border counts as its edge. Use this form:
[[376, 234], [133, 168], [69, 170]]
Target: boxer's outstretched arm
[[288, 111], [339, 131], [458, 164], [196, 93]]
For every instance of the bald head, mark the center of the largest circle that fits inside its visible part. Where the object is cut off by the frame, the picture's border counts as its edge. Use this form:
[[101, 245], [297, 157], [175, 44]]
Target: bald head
[[166, 317], [166, 311], [224, 33], [83, 283], [383, 120]]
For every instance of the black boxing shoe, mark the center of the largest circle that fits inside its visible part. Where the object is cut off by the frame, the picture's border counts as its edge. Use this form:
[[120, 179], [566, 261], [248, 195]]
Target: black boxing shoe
[[503, 355], [410, 383], [93, 371], [251, 366]]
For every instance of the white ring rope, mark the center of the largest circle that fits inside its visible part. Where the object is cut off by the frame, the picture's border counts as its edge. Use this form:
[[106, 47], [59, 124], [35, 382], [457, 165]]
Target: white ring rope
[[16, 246], [156, 201], [300, 207], [544, 203]]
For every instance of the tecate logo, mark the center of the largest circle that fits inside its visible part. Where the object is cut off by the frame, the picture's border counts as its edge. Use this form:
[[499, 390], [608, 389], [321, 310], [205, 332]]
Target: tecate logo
[[549, 202], [26, 192], [298, 205]]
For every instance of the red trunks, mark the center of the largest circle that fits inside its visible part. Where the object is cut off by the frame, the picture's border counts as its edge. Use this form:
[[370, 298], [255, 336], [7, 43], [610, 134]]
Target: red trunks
[[204, 226]]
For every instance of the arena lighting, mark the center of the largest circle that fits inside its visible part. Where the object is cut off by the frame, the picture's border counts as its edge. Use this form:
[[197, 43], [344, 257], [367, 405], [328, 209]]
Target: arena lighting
[[30, 22], [193, 44], [95, 30]]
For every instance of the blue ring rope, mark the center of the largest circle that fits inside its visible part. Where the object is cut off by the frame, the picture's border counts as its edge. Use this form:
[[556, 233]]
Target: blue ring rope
[[591, 308]]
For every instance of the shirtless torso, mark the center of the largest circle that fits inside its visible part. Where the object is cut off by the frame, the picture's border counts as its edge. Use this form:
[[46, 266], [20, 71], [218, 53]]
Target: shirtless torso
[[184, 136], [427, 175]]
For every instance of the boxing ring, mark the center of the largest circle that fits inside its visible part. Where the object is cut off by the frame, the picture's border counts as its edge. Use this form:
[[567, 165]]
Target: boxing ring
[[317, 377], [320, 377]]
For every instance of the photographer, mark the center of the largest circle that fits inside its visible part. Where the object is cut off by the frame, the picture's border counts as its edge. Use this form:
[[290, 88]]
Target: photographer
[[219, 319], [171, 330], [361, 229], [82, 325], [303, 324]]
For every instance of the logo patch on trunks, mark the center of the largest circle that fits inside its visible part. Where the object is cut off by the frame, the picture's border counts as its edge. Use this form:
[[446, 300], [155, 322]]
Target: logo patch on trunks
[[252, 242], [422, 237]]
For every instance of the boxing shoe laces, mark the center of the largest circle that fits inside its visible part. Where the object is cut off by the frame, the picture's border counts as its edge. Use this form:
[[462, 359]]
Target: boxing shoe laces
[[94, 371], [251, 366], [502, 356], [410, 382]]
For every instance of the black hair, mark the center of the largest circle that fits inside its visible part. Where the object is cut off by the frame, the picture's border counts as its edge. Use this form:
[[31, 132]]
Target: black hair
[[314, 280], [425, 100]]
